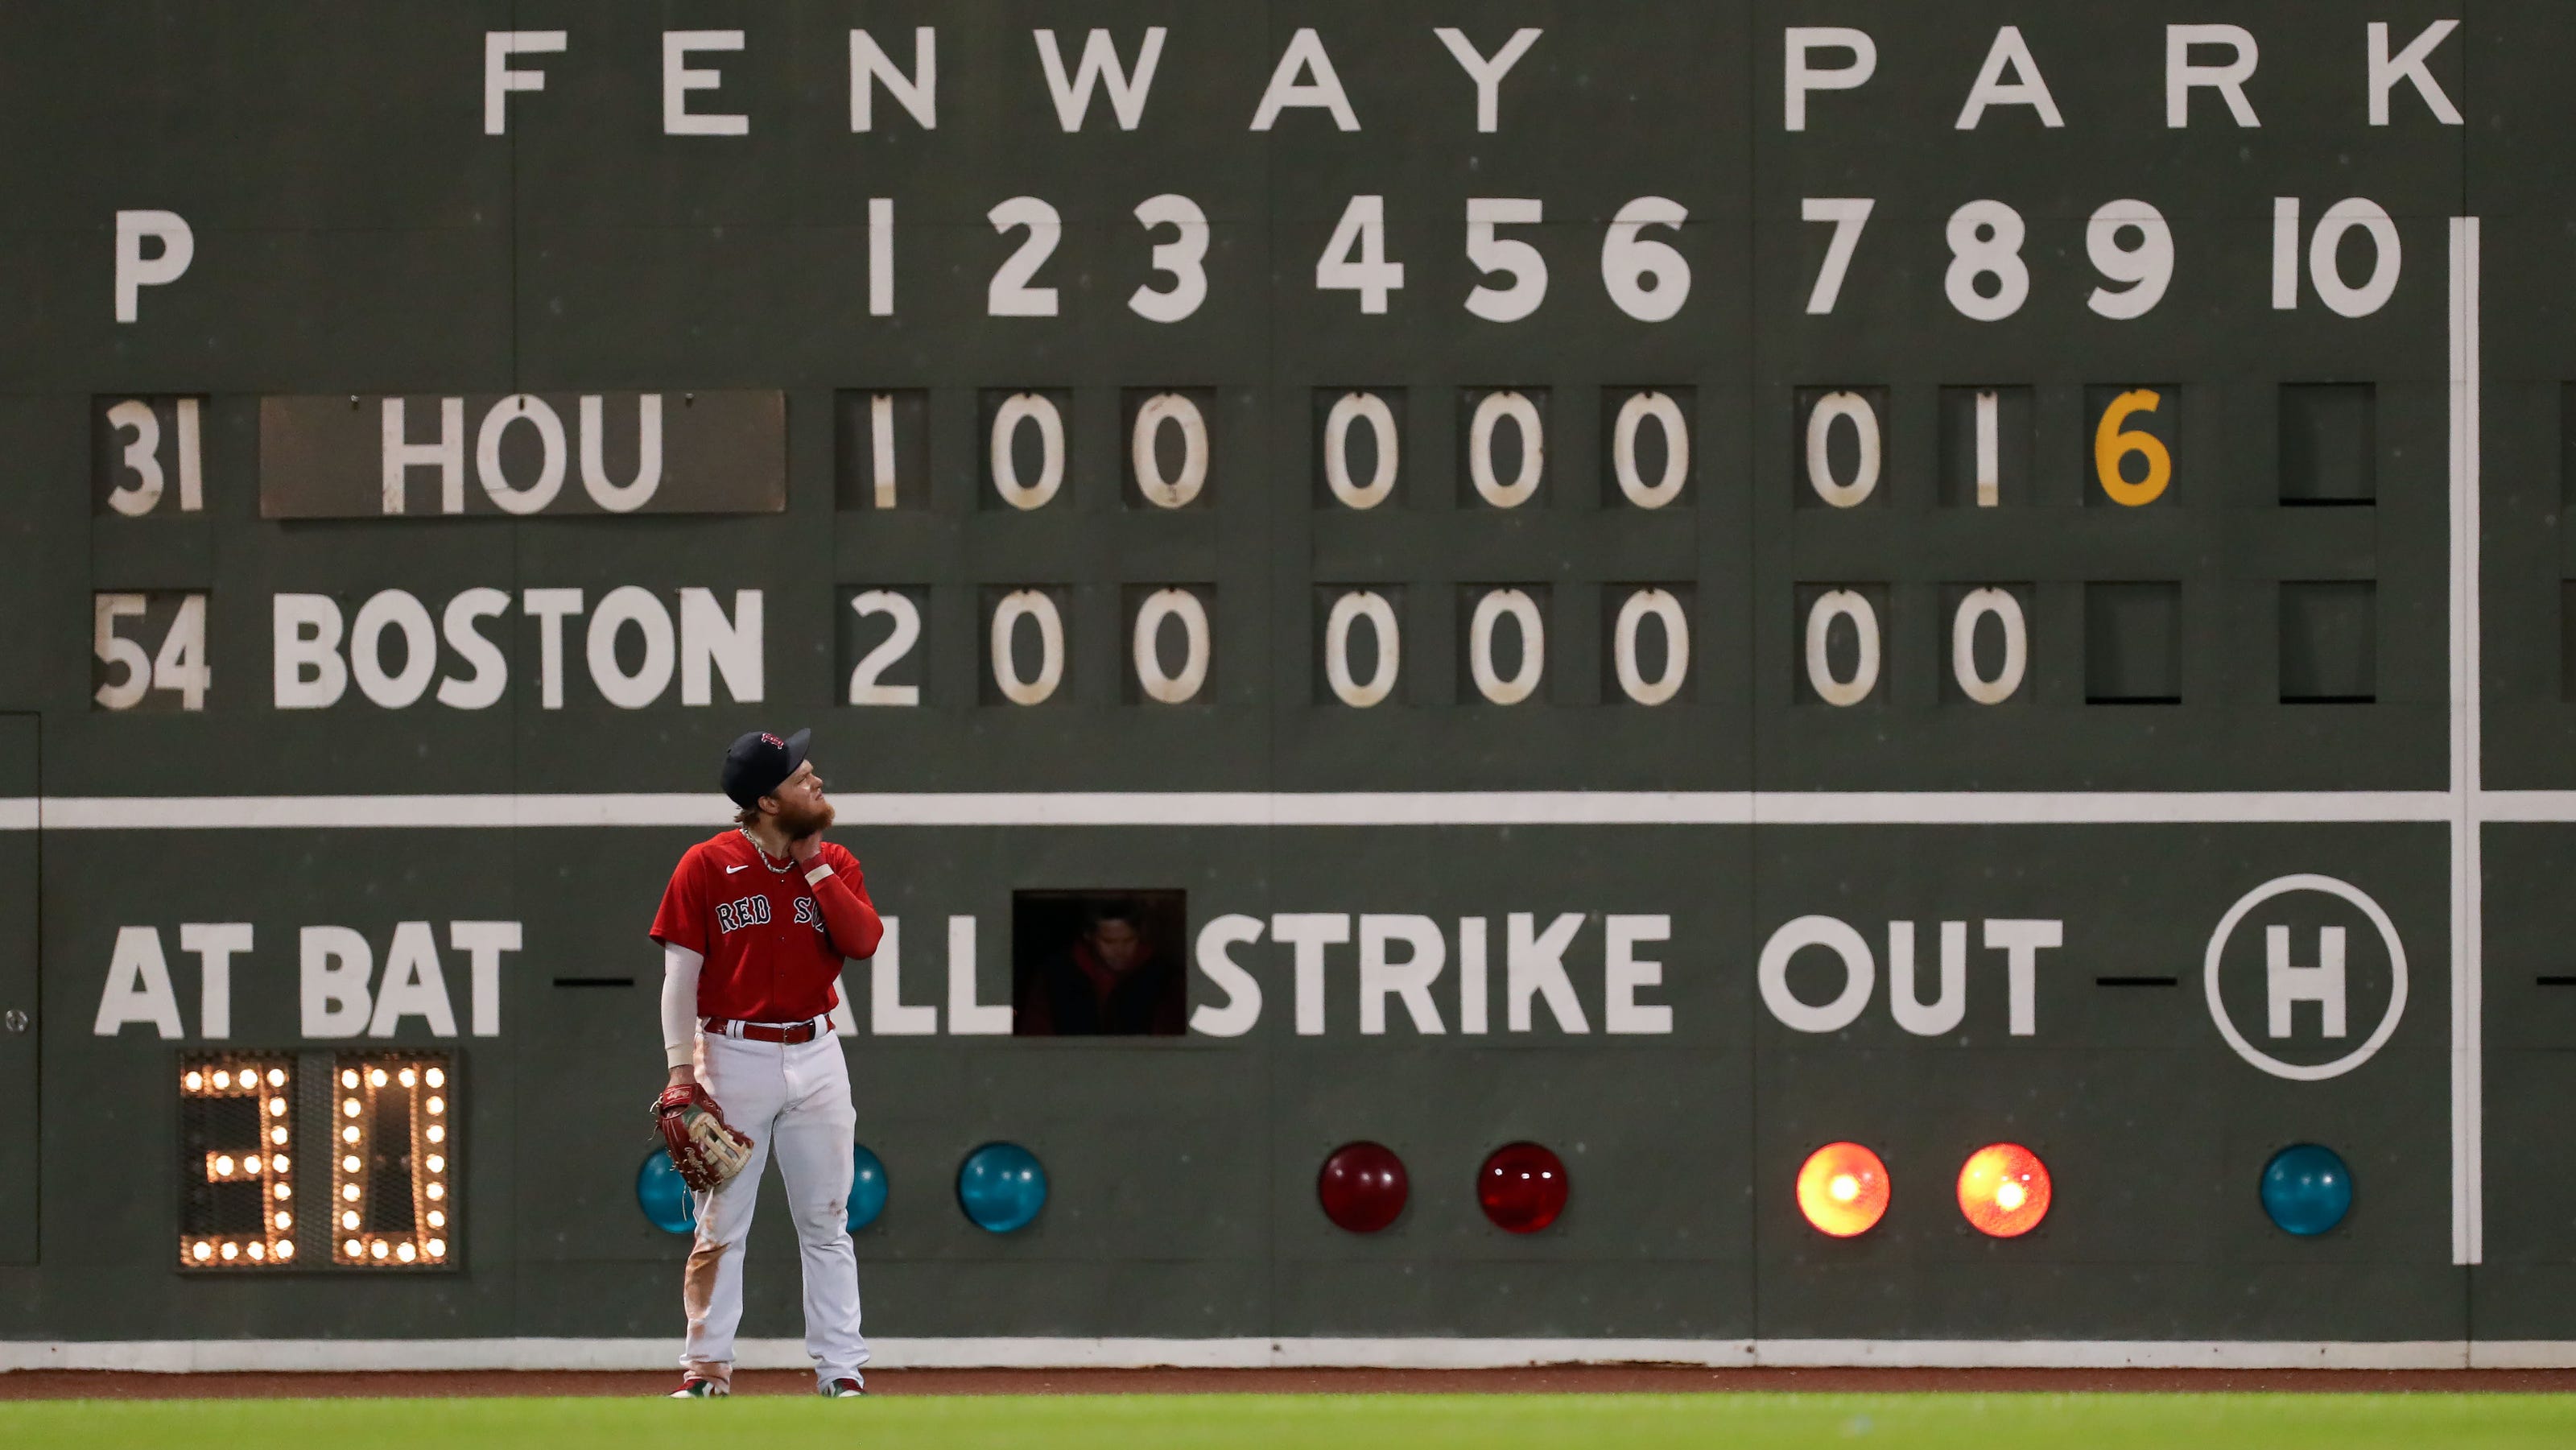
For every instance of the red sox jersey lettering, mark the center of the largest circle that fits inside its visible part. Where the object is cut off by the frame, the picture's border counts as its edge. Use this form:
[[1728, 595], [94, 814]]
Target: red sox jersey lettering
[[772, 943], [750, 911]]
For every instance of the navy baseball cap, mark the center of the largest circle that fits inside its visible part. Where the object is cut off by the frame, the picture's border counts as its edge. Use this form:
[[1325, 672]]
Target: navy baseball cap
[[759, 762]]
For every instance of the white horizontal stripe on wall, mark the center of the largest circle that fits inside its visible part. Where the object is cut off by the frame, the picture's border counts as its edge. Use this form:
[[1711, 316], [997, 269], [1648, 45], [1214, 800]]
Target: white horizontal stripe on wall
[[176, 1356], [1268, 809]]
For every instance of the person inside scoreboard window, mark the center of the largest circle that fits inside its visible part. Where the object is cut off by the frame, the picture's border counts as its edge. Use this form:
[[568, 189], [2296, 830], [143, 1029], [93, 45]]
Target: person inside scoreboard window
[[1111, 980]]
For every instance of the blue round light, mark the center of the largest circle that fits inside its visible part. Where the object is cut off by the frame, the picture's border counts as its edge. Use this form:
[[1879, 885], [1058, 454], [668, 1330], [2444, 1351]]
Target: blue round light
[[1001, 1187], [868, 1187], [666, 1201], [2306, 1189]]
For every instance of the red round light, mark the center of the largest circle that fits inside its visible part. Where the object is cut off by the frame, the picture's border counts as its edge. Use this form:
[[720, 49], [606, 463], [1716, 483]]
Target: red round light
[[1843, 1189], [1522, 1187], [1362, 1187], [2003, 1189]]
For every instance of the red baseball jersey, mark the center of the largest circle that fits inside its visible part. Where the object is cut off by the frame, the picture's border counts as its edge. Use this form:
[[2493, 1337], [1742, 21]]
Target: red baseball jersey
[[773, 942]]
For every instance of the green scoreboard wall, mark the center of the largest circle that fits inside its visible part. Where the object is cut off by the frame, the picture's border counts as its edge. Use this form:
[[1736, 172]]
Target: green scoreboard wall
[[1682, 582]]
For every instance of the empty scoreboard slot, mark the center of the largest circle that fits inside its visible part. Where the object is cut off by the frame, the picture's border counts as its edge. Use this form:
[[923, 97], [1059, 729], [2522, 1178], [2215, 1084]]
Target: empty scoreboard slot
[[2133, 644], [2329, 445], [2567, 442], [594, 981], [2329, 642], [2567, 640], [2137, 981]]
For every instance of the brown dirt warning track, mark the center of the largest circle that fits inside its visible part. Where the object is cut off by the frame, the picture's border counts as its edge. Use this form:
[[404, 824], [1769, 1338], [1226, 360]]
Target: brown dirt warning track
[[1560, 1379]]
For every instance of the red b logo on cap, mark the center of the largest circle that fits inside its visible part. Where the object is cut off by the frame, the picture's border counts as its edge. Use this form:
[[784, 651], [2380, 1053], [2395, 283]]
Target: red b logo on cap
[[769, 739]]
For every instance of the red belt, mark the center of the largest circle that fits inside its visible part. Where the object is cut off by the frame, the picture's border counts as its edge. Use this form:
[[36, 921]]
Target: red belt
[[761, 1032]]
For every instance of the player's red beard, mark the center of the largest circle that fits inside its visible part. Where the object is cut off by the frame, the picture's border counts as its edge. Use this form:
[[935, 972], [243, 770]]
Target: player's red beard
[[799, 821]]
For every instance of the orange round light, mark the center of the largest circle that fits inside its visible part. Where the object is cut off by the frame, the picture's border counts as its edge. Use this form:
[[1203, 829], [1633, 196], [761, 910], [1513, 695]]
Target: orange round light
[[1843, 1189], [2004, 1190]]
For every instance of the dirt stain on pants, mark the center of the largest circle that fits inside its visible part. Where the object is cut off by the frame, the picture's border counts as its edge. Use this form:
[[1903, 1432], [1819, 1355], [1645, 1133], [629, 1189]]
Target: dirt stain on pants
[[697, 1291]]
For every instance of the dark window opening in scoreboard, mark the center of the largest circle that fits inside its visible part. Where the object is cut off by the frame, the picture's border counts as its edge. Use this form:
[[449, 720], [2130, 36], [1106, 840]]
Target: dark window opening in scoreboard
[[2567, 640], [2329, 444], [1099, 963], [2329, 642], [2567, 442], [2133, 643]]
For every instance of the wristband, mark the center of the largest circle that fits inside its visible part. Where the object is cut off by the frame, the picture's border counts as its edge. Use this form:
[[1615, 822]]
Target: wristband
[[815, 876]]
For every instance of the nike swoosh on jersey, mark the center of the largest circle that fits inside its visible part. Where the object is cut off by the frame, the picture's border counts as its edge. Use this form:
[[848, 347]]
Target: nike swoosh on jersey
[[745, 866]]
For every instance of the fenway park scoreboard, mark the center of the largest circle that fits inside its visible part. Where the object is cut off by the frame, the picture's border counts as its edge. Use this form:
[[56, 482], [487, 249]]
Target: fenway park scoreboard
[[1763, 596]]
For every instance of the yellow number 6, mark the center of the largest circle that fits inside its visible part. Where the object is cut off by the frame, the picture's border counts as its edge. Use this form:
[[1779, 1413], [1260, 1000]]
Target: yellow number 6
[[2110, 445]]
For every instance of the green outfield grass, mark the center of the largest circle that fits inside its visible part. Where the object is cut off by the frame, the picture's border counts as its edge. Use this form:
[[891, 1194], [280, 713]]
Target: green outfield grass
[[1327, 1422]]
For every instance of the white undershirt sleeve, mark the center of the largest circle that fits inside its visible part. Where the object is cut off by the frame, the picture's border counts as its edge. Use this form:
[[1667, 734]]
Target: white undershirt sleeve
[[679, 1004]]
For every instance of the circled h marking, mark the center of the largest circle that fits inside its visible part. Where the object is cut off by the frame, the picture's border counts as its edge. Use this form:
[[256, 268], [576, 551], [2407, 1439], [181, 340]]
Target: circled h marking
[[2299, 1072]]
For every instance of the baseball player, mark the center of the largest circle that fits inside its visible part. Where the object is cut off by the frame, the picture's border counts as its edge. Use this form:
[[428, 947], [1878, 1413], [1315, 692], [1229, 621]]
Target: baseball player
[[754, 927]]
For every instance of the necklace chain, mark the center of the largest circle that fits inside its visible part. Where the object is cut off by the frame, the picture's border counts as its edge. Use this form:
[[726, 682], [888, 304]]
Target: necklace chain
[[763, 852]]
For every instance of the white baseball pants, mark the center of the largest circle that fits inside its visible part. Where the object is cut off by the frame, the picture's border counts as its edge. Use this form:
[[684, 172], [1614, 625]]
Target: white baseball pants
[[794, 1102]]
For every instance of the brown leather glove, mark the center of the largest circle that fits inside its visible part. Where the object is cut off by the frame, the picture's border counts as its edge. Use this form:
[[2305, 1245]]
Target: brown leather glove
[[706, 1149]]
